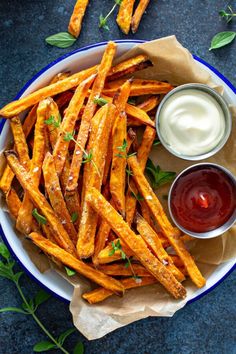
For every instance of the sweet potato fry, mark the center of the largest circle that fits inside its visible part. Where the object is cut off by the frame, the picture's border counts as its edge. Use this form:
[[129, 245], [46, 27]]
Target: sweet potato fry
[[142, 155], [129, 66], [124, 16], [52, 112], [20, 105], [120, 270], [139, 115], [54, 192], [61, 148], [140, 9], [162, 220], [6, 179], [88, 223], [72, 199], [79, 266], [135, 243], [119, 149], [89, 111], [108, 161], [101, 237], [153, 241], [139, 87], [13, 202], [100, 294], [149, 104], [40, 201], [24, 219], [76, 19], [20, 142]]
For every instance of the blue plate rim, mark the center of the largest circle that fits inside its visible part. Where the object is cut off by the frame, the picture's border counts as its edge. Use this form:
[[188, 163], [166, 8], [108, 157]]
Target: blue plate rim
[[43, 70]]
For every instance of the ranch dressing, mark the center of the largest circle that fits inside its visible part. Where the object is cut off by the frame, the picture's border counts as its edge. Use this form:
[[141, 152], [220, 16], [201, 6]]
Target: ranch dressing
[[191, 122]]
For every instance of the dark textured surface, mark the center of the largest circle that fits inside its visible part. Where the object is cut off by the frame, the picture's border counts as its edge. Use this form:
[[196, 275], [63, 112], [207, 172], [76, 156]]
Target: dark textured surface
[[206, 326]]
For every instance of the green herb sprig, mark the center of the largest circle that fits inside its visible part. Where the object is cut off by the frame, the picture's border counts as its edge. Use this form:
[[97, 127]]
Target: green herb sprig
[[103, 20], [30, 306], [123, 154], [228, 16], [69, 136], [116, 246], [157, 176]]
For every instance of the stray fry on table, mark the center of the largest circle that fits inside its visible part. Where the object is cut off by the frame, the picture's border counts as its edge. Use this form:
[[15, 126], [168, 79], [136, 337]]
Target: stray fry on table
[[76, 19]]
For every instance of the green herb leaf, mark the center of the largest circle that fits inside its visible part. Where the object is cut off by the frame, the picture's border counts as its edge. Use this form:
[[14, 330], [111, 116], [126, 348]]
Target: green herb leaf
[[41, 297], [70, 272], [88, 157], [228, 16], [40, 218], [221, 39], [100, 101], [61, 40], [103, 22], [118, 2], [129, 172], [124, 146], [79, 348], [69, 136], [157, 176], [17, 276], [156, 142], [43, 346], [74, 217], [13, 309], [4, 251], [64, 335]]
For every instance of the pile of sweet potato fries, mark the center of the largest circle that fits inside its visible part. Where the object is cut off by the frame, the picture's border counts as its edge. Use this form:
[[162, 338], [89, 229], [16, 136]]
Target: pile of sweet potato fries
[[126, 17], [75, 174]]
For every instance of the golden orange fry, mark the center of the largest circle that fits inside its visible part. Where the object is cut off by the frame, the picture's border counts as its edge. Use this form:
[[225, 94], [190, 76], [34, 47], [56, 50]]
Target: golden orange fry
[[119, 148], [76, 19], [140, 9]]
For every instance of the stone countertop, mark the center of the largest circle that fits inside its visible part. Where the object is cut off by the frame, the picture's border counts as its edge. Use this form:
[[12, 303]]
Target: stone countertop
[[205, 326]]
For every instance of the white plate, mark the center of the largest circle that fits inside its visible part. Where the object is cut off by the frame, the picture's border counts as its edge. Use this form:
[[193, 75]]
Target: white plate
[[75, 61]]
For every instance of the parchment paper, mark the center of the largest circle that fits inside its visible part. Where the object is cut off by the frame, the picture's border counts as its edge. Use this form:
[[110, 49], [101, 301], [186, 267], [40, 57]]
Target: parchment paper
[[175, 64]]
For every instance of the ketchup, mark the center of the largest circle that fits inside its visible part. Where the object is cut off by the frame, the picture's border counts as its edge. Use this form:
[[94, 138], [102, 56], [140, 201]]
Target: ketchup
[[203, 199]]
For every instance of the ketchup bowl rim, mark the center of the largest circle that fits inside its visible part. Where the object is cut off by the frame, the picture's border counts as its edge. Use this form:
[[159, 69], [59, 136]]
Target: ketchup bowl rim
[[226, 111], [219, 230]]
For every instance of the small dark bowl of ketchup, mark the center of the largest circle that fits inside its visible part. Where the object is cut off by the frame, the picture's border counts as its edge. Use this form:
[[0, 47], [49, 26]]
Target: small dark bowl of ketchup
[[202, 200]]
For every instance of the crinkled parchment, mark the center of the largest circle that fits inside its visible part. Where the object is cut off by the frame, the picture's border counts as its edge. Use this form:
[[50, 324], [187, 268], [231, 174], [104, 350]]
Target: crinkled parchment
[[172, 63]]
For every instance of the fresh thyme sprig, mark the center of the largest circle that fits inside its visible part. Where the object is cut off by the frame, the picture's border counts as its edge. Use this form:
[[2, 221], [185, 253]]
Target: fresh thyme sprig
[[228, 16], [103, 20], [123, 154], [116, 246], [68, 136], [157, 176], [30, 306]]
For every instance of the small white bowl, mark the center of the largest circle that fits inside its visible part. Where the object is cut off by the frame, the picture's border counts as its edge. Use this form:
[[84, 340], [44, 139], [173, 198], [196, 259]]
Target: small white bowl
[[222, 103]]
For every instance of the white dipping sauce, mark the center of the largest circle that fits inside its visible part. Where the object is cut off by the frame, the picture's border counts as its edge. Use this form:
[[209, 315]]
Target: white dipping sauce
[[191, 122]]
